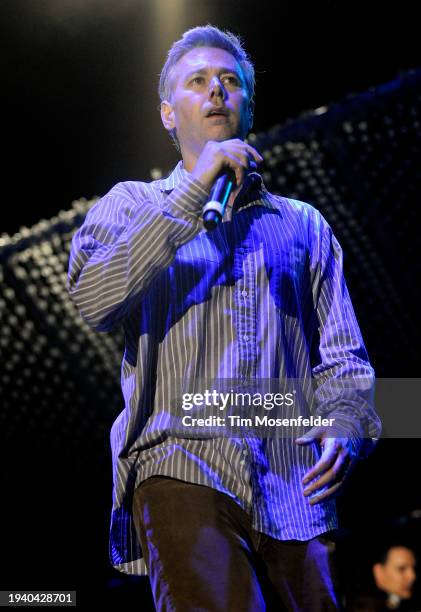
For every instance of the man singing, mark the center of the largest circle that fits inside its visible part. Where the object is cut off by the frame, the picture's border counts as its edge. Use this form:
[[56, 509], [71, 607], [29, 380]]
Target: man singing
[[222, 523]]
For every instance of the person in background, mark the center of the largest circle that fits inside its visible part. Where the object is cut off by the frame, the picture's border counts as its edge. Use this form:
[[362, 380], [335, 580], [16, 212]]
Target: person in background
[[393, 577]]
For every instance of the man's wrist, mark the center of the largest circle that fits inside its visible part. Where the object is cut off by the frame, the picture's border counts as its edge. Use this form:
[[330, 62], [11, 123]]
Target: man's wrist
[[201, 179]]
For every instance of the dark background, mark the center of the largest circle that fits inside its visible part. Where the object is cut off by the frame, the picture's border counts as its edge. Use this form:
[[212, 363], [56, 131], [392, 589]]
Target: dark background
[[79, 113]]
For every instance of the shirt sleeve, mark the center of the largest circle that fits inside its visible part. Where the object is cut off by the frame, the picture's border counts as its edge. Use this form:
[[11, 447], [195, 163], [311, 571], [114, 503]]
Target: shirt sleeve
[[344, 379], [125, 241]]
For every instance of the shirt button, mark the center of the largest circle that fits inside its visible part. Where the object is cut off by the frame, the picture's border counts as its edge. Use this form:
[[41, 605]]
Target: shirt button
[[245, 338], [244, 293]]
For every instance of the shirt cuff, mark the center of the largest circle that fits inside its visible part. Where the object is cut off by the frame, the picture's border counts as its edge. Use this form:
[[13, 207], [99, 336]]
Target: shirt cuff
[[187, 199], [348, 427]]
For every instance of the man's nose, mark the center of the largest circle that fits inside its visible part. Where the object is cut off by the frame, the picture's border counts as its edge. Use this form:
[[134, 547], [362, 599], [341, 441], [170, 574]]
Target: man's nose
[[216, 88]]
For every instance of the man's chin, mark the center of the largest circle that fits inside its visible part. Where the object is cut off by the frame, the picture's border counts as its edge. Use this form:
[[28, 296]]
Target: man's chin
[[221, 135]]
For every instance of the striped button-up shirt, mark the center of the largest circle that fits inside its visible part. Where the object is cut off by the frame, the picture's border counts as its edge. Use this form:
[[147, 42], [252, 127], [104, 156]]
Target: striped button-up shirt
[[260, 297]]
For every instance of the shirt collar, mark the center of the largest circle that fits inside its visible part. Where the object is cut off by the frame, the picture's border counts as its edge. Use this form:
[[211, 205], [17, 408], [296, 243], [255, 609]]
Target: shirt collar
[[172, 181]]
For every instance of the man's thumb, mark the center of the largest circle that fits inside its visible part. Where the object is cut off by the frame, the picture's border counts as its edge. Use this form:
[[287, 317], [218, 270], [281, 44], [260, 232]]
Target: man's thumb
[[310, 436]]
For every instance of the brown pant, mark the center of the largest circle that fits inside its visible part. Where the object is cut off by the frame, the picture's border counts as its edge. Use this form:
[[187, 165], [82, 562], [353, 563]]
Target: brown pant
[[203, 555]]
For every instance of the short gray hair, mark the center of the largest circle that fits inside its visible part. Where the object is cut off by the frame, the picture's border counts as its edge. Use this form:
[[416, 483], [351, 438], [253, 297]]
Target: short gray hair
[[206, 36]]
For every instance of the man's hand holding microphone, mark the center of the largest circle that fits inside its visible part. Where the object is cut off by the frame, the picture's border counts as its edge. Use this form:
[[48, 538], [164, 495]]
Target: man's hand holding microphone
[[221, 167]]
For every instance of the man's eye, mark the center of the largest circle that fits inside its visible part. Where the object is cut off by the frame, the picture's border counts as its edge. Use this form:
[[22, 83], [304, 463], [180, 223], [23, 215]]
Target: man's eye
[[232, 79]]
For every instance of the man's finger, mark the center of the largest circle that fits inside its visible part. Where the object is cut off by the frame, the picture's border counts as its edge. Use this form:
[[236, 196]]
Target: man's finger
[[328, 494], [327, 459], [331, 476]]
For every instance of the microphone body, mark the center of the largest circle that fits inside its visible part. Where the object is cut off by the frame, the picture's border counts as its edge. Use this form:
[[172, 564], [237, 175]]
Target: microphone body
[[214, 209]]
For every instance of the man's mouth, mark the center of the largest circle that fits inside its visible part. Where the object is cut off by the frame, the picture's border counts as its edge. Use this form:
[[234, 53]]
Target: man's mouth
[[217, 112]]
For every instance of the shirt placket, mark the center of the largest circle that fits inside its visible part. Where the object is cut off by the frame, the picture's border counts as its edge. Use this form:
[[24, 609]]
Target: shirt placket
[[246, 313], [245, 264]]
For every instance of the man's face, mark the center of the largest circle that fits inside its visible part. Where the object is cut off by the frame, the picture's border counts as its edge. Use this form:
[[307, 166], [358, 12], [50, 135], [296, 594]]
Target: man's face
[[204, 78], [397, 574]]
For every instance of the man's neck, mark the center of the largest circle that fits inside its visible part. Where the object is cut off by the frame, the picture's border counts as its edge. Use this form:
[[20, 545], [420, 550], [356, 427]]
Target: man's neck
[[189, 161], [233, 196]]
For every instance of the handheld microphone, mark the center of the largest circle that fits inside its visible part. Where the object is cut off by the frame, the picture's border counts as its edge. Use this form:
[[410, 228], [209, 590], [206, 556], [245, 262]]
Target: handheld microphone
[[214, 209]]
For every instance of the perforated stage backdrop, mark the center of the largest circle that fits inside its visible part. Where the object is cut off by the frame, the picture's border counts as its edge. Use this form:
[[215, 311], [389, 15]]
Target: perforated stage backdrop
[[357, 161]]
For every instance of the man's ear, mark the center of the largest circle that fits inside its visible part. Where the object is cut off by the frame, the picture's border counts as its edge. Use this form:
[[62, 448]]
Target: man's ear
[[378, 574], [167, 115]]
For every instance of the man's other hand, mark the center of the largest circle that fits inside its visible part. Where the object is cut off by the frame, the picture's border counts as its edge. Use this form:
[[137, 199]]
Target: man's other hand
[[329, 474]]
